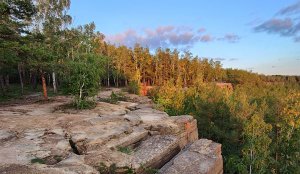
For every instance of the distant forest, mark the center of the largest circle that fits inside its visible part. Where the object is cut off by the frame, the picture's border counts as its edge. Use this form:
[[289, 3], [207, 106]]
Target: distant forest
[[258, 122]]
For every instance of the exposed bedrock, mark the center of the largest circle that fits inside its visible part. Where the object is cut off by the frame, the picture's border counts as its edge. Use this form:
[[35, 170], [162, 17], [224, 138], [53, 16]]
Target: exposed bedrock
[[122, 137]]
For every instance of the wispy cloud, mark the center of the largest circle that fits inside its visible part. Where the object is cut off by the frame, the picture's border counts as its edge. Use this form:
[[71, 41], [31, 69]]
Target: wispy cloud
[[291, 9], [219, 59], [206, 38], [233, 59], [230, 37], [167, 36], [283, 27], [283, 24], [201, 30]]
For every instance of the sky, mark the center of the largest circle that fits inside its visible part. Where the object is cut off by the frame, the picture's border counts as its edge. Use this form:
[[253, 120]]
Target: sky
[[261, 36]]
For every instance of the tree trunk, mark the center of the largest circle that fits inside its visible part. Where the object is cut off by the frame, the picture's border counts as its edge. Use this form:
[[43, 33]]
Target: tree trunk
[[126, 82], [21, 78], [2, 84], [114, 78], [49, 79], [80, 91], [44, 85], [108, 84], [34, 83], [54, 82], [7, 81], [117, 80]]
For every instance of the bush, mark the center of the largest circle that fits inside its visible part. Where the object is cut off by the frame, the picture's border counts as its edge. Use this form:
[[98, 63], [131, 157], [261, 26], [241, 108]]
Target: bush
[[114, 98], [84, 104], [134, 87]]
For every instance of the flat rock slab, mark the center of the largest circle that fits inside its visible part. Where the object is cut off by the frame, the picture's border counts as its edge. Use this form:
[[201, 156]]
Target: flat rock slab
[[136, 136], [149, 115], [202, 157], [155, 152], [128, 105], [6, 135]]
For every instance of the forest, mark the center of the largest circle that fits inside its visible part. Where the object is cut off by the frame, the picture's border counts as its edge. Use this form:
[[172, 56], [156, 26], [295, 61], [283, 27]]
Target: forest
[[257, 123]]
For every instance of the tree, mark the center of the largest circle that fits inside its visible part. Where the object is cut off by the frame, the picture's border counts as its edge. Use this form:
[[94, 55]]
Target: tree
[[51, 20], [83, 77], [15, 17], [256, 149]]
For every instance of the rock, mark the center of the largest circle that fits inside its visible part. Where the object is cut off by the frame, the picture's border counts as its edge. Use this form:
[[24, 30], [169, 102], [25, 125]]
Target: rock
[[126, 134], [202, 157], [188, 126], [103, 119], [58, 131], [6, 135], [149, 115], [75, 164], [63, 145], [136, 136], [107, 157], [128, 105], [133, 119], [33, 134], [155, 152]]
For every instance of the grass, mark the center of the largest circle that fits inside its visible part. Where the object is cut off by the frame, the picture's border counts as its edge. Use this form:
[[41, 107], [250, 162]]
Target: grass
[[83, 104], [149, 170], [107, 170], [37, 160], [114, 98], [58, 158], [126, 150], [112, 169]]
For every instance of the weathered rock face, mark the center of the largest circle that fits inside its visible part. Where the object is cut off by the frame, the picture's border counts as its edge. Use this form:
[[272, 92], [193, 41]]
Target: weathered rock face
[[127, 136], [201, 157]]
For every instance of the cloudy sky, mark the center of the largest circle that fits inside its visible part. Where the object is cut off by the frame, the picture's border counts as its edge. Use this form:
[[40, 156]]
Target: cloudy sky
[[261, 36]]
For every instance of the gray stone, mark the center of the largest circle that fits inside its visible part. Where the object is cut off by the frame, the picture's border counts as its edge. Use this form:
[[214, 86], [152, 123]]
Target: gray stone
[[128, 105], [136, 136], [202, 157], [155, 152], [5, 135]]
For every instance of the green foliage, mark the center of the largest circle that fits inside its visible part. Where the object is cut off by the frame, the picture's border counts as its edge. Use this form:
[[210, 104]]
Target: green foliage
[[58, 158], [134, 87], [83, 78], [126, 150], [83, 104], [114, 98], [107, 170], [149, 170], [257, 124], [37, 160]]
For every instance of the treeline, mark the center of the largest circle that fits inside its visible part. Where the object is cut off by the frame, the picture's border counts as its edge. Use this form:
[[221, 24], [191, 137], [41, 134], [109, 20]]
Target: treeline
[[38, 47]]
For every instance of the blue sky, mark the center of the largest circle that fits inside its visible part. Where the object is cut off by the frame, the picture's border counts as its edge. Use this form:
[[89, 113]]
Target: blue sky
[[262, 36]]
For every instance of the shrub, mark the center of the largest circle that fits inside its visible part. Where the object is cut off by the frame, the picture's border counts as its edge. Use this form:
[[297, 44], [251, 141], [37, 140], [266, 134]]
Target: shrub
[[134, 87], [126, 150], [37, 160], [84, 104]]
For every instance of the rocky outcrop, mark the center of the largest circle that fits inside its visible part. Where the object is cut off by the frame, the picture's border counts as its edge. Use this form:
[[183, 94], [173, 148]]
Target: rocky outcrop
[[123, 137], [201, 157]]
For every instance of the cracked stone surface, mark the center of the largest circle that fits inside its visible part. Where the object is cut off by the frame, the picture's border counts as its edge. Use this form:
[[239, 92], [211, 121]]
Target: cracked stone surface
[[201, 157], [69, 141]]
